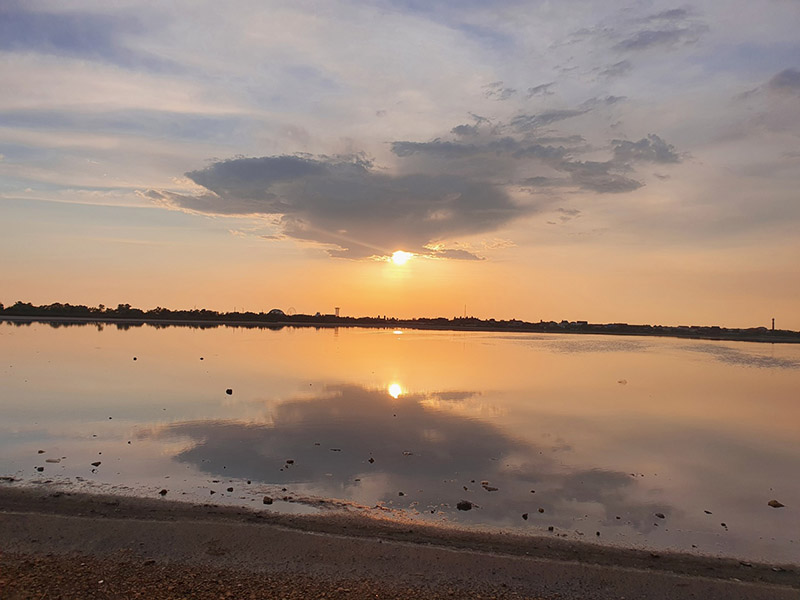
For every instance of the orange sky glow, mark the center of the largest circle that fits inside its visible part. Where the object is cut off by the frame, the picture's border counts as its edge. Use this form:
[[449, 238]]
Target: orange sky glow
[[612, 164]]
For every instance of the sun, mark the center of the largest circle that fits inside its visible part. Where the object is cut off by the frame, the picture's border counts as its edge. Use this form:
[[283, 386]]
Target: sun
[[395, 390], [400, 257]]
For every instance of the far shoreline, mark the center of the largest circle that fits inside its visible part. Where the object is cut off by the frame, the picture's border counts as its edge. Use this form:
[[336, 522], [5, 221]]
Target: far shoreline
[[756, 335]]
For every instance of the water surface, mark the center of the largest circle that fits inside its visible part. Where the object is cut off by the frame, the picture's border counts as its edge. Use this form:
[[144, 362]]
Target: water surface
[[649, 442]]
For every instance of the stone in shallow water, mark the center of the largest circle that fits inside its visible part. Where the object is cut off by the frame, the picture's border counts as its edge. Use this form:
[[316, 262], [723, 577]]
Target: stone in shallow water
[[775, 504], [464, 505]]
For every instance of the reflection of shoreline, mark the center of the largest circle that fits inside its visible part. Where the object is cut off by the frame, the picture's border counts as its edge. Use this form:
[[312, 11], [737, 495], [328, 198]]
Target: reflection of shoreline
[[759, 335], [28, 515]]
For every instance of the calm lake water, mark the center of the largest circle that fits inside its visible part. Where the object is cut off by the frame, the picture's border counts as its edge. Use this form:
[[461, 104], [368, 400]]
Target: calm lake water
[[651, 442]]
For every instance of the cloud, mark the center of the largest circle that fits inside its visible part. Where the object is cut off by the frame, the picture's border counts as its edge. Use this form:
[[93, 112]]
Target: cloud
[[785, 82], [419, 449], [651, 38], [669, 28], [599, 177], [455, 253], [541, 90], [85, 35], [674, 14], [437, 193], [497, 91], [530, 122], [649, 149], [567, 214], [502, 146], [617, 69], [347, 204], [543, 182], [599, 101], [465, 130]]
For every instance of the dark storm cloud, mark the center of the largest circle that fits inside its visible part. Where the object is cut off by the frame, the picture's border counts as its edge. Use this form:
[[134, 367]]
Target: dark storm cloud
[[346, 203], [649, 149], [787, 81]]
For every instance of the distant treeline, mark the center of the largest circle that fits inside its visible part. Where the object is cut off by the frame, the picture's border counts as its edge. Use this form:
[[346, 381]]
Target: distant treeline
[[125, 316], [126, 311]]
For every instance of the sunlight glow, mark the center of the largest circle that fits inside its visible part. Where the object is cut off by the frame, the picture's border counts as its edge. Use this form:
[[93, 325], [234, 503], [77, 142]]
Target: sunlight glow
[[395, 390], [400, 257]]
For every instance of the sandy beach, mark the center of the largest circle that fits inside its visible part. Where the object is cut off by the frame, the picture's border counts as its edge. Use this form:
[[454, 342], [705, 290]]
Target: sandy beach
[[66, 545]]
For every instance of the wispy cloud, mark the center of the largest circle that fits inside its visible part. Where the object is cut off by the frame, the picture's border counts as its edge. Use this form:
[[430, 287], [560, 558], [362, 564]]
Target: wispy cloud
[[786, 82]]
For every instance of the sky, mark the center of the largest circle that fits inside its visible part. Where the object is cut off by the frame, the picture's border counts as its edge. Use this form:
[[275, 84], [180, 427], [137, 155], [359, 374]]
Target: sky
[[604, 161]]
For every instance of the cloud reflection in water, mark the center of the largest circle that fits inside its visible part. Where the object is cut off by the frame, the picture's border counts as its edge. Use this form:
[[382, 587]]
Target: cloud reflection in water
[[427, 454]]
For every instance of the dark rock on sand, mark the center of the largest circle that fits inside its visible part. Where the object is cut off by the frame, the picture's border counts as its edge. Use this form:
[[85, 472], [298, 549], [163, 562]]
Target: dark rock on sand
[[229, 391], [96, 463], [464, 505], [525, 516], [660, 515], [163, 492], [267, 500], [775, 504]]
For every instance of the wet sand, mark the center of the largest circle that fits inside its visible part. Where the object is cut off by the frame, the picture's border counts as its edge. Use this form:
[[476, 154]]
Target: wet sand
[[78, 545]]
